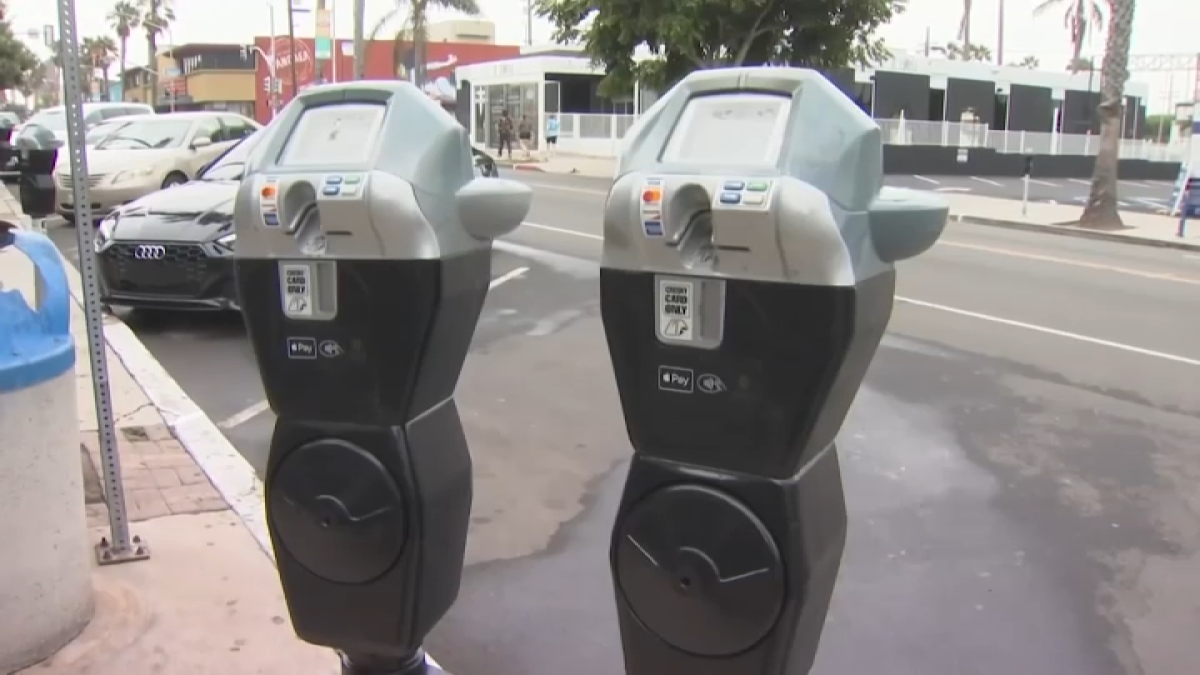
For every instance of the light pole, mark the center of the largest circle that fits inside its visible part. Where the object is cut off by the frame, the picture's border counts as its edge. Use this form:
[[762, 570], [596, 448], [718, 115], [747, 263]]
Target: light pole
[[270, 58], [166, 30]]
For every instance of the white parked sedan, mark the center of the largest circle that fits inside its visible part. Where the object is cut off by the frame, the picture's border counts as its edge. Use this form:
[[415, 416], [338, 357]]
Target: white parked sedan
[[147, 153]]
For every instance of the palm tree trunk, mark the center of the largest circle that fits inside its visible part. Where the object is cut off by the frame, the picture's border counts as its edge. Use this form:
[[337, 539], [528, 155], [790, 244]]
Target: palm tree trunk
[[360, 45], [106, 91], [1077, 38], [1101, 209], [124, 46]]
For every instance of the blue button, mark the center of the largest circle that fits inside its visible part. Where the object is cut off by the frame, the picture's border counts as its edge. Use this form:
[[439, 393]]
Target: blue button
[[730, 198], [333, 180], [734, 185], [331, 191], [271, 220]]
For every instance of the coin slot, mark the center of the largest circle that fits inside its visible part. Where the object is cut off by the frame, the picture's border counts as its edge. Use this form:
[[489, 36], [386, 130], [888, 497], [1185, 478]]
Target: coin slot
[[299, 200]]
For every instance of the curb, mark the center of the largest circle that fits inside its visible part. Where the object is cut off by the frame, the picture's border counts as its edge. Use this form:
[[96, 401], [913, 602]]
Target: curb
[[1067, 231], [528, 167], [229, 472]]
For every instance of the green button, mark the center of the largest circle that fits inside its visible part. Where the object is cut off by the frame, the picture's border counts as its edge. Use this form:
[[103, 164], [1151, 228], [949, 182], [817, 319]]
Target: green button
[[352, 180], [757, 186]]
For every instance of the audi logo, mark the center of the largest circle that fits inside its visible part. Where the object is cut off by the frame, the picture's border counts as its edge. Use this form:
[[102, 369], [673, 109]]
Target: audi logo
[[149, 252]]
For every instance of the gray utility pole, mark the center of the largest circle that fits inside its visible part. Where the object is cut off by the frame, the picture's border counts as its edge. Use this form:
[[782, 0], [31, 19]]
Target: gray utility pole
[[121, 549]]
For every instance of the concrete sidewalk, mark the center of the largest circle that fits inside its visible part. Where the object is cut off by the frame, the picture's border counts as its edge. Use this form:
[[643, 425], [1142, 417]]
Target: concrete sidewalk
[[1141, 228], [208, 600]]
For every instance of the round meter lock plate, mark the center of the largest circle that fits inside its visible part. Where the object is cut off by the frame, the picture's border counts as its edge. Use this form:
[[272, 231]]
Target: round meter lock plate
[[338, 512], [699, 570]]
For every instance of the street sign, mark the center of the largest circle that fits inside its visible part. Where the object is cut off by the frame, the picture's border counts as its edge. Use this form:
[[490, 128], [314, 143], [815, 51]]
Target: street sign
[[324, 49], [48, 36]]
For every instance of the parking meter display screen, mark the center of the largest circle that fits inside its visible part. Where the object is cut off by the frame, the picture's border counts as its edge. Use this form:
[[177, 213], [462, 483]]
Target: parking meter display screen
[[334, 134], [739, 129]]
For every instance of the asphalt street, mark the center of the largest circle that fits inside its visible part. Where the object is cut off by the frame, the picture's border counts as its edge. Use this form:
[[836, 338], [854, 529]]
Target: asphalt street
[[1020, 467]]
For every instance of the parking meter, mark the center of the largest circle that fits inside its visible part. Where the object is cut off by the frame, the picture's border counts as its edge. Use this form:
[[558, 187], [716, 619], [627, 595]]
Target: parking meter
[[747, 279], [363, 260]]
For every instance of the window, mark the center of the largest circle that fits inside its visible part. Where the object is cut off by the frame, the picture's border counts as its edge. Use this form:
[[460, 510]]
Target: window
[[148, 134], [54, 120], [110, 113], [208, 127], [231, 165], [235, 128]]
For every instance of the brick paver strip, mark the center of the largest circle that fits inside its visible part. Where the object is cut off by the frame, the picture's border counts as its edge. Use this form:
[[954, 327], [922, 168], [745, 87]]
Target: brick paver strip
[[160, 477]]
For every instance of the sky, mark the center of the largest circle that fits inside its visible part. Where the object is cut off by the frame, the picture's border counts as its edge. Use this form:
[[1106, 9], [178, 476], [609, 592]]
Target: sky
[[1161, 27]]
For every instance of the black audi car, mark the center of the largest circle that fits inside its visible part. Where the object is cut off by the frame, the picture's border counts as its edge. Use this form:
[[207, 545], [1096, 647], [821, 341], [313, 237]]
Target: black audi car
[[173, 249]]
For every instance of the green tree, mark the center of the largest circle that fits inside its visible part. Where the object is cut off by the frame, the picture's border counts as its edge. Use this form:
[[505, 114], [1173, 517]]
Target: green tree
[[1076, 65], [1080, 18], [124, 19], [414, 28], [1030, 61], [685, 35], [1158, 127], [1101, 212], [964, 52], [16, 61], [156, 17]]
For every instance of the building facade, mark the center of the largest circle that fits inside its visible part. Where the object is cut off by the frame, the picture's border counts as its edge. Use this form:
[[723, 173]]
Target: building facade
[[209, 77], [386, 60]]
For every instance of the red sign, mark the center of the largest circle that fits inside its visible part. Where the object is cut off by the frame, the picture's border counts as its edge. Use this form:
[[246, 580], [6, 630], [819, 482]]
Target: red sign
[[386, 60], [284, 56]]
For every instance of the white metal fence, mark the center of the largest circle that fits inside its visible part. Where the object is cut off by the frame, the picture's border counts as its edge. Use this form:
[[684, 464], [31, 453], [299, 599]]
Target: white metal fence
[[600, 127], [964, 135]]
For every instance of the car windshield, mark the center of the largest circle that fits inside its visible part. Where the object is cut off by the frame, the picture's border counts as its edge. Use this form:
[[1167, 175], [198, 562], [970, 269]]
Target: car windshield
[[232, 164], [100, 131], [147, 135], [54, 120]]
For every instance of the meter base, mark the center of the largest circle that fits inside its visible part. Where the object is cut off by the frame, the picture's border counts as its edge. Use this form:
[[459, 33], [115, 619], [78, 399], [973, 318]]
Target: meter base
[[369, 527], [742, 585], [417, 664]]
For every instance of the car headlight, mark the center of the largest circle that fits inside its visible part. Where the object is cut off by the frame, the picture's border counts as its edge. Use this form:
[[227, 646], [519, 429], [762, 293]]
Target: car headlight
[[228, 240], [130, 175], [104, 231]]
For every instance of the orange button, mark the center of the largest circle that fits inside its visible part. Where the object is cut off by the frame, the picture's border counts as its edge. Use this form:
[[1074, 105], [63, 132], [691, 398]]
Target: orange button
[[652, 195], [268, 191]]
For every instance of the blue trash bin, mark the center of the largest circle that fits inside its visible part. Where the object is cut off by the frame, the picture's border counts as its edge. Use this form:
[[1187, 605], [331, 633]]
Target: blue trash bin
[[47, 592]]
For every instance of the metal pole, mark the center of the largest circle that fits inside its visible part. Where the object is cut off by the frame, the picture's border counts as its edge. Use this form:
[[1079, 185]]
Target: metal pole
[[1025, 197], [337, 51], [292, 44], [121, 549], [272, 65]]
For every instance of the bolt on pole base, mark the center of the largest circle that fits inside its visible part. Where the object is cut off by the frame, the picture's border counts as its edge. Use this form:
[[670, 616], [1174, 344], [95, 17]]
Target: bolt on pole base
[[107, 554]]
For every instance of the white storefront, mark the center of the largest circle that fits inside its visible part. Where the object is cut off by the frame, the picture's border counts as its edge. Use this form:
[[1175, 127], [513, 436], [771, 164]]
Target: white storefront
[[521, 86]]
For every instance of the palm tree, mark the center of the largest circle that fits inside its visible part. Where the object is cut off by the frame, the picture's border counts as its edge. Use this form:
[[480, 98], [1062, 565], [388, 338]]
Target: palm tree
[[124, 19], [1080, 17], [415, 27], [1101, 209], [101, 52], [964, 27], [964, 52], [156, 17]]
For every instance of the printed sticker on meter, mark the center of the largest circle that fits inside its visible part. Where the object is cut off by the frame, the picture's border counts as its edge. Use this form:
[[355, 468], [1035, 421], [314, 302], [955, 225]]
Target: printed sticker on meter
[[676, 310], [650, 201]]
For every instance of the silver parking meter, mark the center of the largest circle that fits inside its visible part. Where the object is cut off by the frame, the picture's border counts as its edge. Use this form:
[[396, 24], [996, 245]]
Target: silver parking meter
[[363, 260], [746, 282]]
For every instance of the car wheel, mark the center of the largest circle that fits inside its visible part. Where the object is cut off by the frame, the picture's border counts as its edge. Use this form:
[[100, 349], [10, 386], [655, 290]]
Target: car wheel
[[174, 179]]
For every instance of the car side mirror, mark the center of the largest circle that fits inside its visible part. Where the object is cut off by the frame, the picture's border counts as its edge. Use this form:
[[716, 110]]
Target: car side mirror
[[201, 142]]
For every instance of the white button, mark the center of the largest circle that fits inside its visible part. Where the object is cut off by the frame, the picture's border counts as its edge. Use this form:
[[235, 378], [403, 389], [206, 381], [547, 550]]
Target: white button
[[349, 190], [752, 199]]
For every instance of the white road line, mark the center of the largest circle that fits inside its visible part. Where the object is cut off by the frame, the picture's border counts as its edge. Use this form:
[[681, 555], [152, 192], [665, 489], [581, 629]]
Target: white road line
[[1051, 201], [560, 230], [1043, 182], [989, 181], [1152, 202], [564, 188], [1055, 332], [976, 315], [1157, 276], [240, 418], [927, 180], [952, 189], [507, 277], [1080, 181]]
